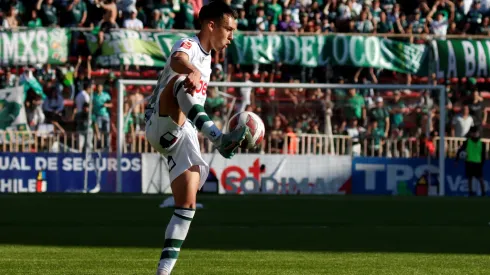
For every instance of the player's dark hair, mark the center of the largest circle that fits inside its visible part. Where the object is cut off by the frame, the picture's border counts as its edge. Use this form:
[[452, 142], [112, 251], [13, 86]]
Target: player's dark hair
[[215, 10]]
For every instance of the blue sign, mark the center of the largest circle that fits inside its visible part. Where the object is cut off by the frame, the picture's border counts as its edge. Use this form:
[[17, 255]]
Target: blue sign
[[71, 172], [411, 176]]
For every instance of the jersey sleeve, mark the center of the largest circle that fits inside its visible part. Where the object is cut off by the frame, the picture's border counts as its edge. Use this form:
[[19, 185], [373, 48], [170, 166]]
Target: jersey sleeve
[[187, 46]]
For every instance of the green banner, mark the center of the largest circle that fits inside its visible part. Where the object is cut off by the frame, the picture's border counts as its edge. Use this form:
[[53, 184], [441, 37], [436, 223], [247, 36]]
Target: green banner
[[462, 58], [36, 46], [312, 51], [127, 47], [12, 112], [451, 58]]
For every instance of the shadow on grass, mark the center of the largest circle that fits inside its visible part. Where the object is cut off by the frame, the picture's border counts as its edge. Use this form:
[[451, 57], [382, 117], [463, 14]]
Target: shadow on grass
[[292, 223]]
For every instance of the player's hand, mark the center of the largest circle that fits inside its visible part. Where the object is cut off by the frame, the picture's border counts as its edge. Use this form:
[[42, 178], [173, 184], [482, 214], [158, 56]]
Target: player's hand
[[192, 82]]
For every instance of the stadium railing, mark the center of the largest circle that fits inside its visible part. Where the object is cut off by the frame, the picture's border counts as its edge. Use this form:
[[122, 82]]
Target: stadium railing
[[295, 144]]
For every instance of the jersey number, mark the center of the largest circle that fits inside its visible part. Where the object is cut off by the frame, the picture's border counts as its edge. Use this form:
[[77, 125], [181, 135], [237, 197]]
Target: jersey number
[[202, 88]]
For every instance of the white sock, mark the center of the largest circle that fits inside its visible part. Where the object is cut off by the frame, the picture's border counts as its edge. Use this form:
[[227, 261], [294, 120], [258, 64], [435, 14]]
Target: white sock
[[174, 237]]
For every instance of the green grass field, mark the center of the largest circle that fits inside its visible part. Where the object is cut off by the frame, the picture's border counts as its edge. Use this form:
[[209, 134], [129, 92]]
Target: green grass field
[[106, 234]]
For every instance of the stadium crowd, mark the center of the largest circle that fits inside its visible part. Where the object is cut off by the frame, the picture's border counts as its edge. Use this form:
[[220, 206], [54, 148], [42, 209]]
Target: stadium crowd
[[359, 113]]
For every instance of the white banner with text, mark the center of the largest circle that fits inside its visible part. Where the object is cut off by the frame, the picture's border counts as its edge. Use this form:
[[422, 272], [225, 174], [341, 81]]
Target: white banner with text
[[265, 174]]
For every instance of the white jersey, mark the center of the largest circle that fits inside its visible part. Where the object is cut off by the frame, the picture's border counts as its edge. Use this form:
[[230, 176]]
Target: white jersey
[[197, 57], [179, 144]]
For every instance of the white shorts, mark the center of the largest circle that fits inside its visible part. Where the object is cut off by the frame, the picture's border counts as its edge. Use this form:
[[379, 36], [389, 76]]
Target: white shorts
[[178, 144]]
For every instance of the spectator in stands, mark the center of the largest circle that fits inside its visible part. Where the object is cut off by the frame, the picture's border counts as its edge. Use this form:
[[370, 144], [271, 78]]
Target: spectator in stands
[[477, 111], [354, 108], [474, 18], [82, 98], [53, 105], [82, 76], [261, 22], [242, 21], [381, 115], [376, 11], [246, 93], [426, 102], [11, 21], [462, 123], [440, 25], [214, 101], [85, 129], [132, 22], [9, 79], [274, 10], [108, 21], [100, 109], [45, 74], [185, 17], [277, 136], [34, 20], [376, 135], [292, 141], [401, 24], [167, 13], [384, 26], [286, 23], [355, 132], [218, 72], [74, 16], [364, 25], [126, 6], [395, 13], [356, 7], [110, 83], [485, 26], [48, 12], [397, 110], [19, 7], [459, 13], [128, 118], [136, 101], [444, 11], [129, 130], [34, 112], [418, 25], [75, 13], [156, 21], [251, 11]]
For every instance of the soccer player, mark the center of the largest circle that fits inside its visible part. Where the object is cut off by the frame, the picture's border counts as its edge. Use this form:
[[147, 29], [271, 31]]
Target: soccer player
[[175, 107]]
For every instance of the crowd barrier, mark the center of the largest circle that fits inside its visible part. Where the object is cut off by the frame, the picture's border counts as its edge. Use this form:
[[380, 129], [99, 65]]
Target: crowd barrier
[[297, 144]]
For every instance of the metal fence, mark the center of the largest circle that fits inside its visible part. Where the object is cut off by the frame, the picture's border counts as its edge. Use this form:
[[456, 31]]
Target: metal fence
[[294, 144]]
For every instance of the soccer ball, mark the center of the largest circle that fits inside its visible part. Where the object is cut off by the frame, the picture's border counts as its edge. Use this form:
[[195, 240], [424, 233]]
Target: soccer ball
[[254, 123]]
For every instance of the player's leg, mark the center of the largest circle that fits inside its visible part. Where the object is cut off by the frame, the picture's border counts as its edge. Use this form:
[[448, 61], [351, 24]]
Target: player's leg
[[194, 111], [480, 179], [184, 189], [470, 186], [482, 186]]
